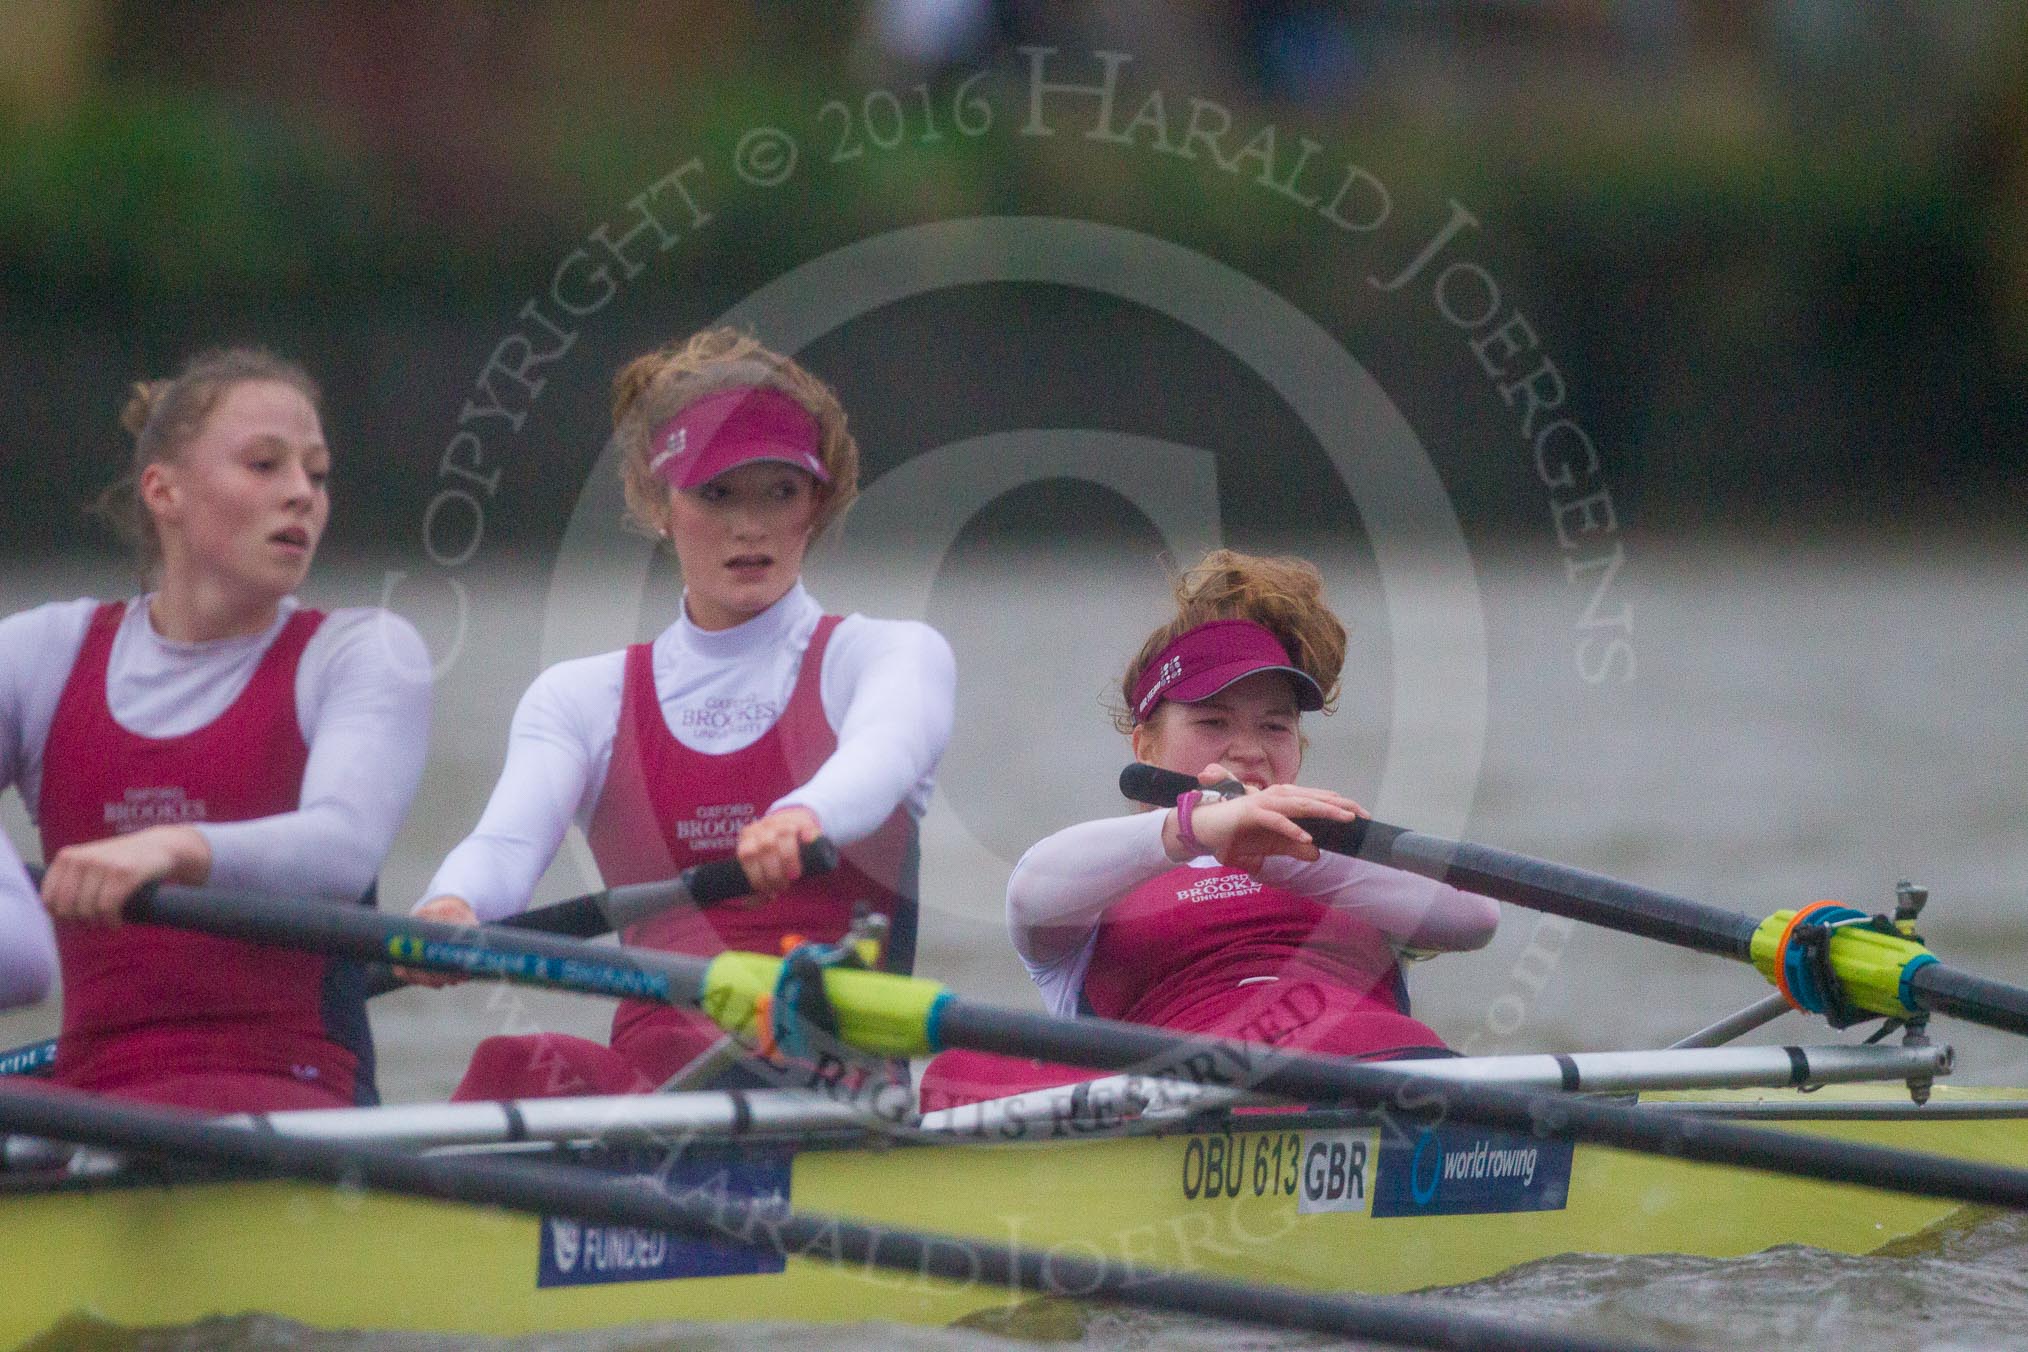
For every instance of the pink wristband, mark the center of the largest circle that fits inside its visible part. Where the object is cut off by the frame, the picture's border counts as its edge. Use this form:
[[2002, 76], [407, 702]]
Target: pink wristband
[[1185, 803]]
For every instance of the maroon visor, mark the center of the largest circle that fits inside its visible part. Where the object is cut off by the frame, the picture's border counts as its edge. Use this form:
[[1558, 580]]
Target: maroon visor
[[1203, 661], [728, 429]]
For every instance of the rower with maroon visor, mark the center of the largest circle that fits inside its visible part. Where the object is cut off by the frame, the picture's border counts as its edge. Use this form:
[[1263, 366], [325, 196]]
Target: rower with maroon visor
[[750, 726], [1220, 916]]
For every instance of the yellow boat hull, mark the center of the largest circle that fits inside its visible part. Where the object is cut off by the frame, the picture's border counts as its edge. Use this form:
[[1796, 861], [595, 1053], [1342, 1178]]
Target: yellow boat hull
[[1258, 1204]]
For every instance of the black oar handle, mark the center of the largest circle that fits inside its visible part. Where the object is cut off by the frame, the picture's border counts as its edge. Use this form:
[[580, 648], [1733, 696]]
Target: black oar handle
[[1515, 878], [587, 917], [616, 908], [1150, 784]]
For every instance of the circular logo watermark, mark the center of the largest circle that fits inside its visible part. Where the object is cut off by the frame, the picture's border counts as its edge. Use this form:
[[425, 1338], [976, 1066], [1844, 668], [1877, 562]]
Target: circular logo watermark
[[916, 511], [914, 514]]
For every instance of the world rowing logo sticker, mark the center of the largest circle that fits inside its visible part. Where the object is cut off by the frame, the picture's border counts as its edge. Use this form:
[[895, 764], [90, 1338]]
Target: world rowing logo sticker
[[1460, 1171]]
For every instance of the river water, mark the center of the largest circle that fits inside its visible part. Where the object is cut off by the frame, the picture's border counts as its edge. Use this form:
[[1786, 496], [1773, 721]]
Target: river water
[[1789, 725]]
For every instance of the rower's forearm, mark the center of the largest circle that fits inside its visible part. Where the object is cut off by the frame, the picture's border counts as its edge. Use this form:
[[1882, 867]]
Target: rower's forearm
[[495, 875], [890, 739], [313, 853], [1407, 907], [1457, 923]]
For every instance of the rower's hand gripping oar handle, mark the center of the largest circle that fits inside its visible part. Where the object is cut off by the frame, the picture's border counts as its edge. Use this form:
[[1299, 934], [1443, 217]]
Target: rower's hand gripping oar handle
[[1150, 784], [616, 908], [1553, 889]]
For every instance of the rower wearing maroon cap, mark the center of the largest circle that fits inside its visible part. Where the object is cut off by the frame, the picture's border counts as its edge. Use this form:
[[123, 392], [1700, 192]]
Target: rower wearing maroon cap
[[750, 726], [1220, 917]]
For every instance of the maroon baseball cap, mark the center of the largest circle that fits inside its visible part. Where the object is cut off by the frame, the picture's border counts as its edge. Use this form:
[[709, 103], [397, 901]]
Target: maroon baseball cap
[[1201, 662], [730, 428]]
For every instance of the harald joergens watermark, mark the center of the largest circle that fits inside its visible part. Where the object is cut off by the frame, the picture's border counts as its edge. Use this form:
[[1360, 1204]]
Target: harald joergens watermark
[[917, 509]]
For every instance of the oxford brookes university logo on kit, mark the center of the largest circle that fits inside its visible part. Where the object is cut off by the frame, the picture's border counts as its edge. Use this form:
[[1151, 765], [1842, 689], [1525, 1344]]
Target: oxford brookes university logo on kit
[[166, 805], [714, 826]]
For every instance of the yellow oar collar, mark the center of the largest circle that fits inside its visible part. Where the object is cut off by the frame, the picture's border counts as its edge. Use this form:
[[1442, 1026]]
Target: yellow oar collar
[[1830, 959]]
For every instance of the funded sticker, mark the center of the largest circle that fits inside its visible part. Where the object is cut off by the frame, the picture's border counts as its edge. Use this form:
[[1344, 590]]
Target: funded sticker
[[577, 1253]]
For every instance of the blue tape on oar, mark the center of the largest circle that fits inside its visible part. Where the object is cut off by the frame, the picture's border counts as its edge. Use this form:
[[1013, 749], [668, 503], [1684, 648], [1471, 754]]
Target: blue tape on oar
[[34, 1059], [1908, 977], [478, 959]]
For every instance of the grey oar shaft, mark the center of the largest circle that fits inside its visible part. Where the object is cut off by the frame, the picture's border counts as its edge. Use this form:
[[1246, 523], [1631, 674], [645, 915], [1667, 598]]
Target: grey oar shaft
[[1688, 1068], [528, 957], [659, 1118], [1112, 1102], [1963, 995], [1554, 889], [700, 885], [632, 903]]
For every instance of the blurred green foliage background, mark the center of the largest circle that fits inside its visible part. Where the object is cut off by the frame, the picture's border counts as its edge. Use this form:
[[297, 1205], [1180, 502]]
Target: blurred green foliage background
[[1780, 248]]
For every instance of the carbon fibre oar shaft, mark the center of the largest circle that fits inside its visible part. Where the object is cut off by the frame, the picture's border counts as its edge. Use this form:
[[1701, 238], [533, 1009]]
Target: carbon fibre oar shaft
[[713, 1214], [1975, 999], [1596, 900], [889, 1006], [1534, 883], [522, 956], [607, 911], [613, 909]]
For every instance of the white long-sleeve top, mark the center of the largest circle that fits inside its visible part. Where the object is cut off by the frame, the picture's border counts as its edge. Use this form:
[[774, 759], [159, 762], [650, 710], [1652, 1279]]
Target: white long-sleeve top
[[27, 944], [362, 704], [1061, 889], [888, 687]]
